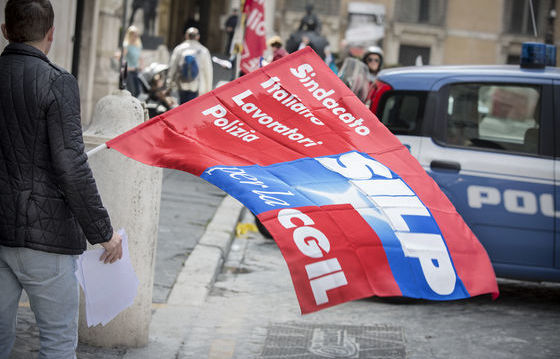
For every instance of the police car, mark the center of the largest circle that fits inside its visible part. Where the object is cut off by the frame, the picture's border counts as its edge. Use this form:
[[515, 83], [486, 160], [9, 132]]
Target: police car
[[490, 138]]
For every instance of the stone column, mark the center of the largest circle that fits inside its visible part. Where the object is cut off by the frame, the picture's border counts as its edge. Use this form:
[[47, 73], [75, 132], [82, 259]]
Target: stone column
[[107, 26], [131, 192], [88, 60]]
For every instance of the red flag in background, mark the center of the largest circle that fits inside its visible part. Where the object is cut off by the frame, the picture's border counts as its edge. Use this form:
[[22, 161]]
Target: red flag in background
[[254, 42]]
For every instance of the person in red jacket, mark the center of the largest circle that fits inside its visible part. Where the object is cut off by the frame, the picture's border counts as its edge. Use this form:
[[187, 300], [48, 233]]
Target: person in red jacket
[[276, 45], [373, 58]]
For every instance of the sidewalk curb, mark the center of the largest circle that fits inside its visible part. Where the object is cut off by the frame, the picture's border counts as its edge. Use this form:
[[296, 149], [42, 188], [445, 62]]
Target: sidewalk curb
[[195, 279], [170, 323]]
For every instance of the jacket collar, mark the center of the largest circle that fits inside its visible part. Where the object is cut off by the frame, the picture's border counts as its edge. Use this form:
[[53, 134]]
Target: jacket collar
[[18, 48]]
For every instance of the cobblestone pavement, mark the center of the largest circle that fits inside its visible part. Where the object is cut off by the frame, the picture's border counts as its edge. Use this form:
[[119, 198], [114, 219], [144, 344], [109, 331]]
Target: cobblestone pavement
[[252, 312], [188, 203], [253, 300]]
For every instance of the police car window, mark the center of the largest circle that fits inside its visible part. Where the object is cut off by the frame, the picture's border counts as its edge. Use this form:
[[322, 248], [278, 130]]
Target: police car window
[[494, 116], [402, 112]]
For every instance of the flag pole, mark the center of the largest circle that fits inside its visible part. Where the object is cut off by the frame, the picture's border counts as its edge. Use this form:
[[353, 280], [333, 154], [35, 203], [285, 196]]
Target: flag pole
[[239, 39], [96, 149]]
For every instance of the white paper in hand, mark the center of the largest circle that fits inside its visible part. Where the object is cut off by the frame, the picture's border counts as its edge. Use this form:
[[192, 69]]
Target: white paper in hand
[[108, 288]]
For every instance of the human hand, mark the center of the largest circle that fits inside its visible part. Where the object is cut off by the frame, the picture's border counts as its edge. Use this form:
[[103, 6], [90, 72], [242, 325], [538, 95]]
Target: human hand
[[113, 249]]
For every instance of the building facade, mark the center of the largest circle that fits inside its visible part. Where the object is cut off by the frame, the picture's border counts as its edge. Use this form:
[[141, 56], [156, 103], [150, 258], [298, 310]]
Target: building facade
[[412, 31], [465, 32], [438, 31]]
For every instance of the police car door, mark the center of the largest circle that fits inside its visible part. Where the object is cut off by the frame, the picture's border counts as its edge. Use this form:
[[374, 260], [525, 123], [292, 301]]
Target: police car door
[[491, 153], [403, 112], [556, 212]]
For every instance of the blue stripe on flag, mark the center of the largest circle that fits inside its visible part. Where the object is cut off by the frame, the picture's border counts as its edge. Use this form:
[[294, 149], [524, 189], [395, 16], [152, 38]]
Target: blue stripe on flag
[[306, 182]]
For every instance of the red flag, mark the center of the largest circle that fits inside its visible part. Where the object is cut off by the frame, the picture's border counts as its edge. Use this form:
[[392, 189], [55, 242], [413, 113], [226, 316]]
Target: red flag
[[352, 211], [254, 42]]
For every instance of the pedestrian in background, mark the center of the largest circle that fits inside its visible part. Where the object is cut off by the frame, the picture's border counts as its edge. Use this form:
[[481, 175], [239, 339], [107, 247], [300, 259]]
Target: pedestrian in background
[[190, 67], [230, 25], [150, 12], [305, 41], [310, 22], [132, 54], [373, 58], [330, 59], [136, 5], [278, 51], [49, 203]]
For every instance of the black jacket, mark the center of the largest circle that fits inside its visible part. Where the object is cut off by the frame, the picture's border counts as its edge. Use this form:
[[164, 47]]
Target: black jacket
[[48, 196]]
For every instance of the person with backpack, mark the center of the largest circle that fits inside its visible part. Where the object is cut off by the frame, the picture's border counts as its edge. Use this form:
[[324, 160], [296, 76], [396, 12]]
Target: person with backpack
[[190, 67]]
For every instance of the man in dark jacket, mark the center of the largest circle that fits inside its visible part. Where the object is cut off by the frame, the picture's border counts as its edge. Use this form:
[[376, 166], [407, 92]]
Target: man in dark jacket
[[230, 25], [49, 203]]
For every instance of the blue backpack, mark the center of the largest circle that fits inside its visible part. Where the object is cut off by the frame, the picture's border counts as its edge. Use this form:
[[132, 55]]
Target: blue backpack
[[189, 65]]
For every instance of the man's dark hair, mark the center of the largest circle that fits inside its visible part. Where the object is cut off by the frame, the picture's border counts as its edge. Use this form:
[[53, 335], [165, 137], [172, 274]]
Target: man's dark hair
[[28, 20]]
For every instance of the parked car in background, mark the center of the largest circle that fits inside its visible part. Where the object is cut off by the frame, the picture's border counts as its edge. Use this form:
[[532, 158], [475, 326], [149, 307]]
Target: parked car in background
[[490, 138]]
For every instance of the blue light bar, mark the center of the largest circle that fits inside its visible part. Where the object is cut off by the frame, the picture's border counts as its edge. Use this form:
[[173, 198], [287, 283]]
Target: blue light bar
[[533, 55], [550, 55]]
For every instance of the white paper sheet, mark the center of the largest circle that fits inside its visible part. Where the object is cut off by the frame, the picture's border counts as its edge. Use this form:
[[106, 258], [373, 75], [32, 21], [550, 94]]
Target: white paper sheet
[[108, 288]]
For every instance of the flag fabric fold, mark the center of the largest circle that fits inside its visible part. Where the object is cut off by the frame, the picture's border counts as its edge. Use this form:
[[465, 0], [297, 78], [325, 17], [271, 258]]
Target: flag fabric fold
[[353, 213]]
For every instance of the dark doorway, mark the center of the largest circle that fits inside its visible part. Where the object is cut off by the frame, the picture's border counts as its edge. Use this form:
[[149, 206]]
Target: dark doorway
[[408, 55], [203, 14]]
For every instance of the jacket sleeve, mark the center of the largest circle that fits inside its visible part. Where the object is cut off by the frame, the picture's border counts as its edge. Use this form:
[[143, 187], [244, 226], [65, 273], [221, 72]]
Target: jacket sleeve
[[69, 160], [207, 74]]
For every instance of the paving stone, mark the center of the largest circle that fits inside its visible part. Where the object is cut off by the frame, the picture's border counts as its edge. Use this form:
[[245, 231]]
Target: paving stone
[[180, 226], [315, 341]]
